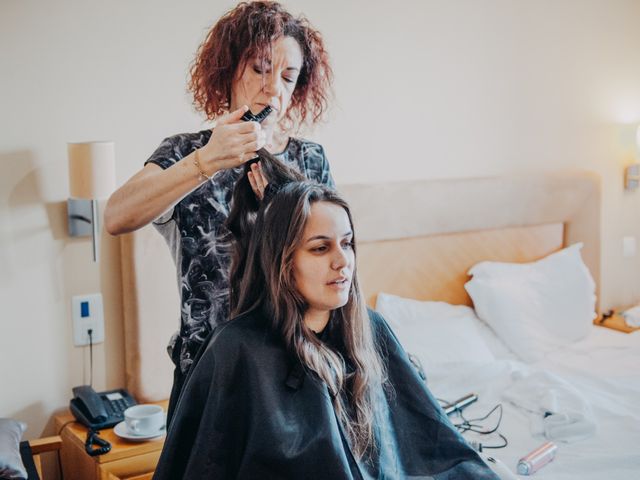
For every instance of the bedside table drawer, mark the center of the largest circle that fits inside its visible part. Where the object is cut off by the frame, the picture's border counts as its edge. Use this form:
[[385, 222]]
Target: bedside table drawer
[[146, 476], [140, 467]]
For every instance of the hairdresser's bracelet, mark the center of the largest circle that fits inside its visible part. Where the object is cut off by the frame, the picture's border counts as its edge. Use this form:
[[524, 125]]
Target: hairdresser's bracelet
[[196, 161]]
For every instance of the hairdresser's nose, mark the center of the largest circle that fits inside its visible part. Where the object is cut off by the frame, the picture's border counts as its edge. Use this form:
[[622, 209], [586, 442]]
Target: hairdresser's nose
[[272, 85]]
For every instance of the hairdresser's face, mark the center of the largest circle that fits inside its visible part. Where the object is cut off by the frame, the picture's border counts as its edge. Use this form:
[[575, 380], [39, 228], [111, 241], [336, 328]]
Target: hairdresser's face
[[323, 263], [273, 85]]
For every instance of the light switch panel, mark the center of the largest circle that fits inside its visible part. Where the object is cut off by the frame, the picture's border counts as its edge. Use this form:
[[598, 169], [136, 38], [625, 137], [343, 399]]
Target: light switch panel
[[87, 313]]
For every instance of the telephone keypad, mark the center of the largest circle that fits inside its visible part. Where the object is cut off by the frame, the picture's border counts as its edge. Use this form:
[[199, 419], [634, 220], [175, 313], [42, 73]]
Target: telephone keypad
[[115, 404], [117, 407]]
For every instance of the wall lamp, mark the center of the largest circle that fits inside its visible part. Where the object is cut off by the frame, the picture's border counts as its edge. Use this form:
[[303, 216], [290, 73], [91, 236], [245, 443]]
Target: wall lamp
[[91, 177], [632, 172]]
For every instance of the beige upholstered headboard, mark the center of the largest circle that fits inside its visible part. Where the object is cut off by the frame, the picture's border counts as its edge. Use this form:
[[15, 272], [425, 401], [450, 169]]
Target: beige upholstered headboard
[[420, 238], [416, 239]]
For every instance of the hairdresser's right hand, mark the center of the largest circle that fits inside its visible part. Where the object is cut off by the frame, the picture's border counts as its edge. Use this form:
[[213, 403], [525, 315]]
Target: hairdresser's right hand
[[232, 143]]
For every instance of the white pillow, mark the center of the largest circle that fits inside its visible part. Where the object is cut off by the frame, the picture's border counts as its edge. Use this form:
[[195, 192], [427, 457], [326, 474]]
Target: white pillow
[[438, 333], [535, 307]]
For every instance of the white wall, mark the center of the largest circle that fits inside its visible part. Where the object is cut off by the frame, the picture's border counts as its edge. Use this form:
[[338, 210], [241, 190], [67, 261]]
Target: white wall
[[424, 89]]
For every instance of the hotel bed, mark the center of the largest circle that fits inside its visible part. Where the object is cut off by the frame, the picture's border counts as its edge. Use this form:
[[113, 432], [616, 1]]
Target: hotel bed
[[417, 242]]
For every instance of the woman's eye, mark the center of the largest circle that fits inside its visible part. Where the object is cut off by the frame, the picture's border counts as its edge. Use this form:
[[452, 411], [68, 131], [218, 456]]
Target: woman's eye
[[258, 69], [320, 249], [348, 244], [289, 80]]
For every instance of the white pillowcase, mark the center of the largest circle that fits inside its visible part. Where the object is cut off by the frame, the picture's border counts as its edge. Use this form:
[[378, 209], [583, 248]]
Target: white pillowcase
[[438, 333], [535, 307]]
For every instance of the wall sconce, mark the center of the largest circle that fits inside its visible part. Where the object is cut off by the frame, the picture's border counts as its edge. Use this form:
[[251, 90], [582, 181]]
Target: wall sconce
[[91, 177], [632, 172]]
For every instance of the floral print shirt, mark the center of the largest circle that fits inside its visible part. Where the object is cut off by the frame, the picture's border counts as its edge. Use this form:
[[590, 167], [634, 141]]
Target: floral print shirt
[[200, 243]]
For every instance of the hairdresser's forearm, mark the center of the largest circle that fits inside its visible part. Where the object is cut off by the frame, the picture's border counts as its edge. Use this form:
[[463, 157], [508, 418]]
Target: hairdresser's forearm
[[148, 194]]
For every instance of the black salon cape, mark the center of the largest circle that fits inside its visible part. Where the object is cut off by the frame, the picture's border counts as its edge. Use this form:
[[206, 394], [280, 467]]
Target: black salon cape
[[249, 411]]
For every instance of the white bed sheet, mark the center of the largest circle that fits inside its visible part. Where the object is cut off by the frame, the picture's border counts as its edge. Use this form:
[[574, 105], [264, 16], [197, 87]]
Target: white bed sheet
[[604, 368]]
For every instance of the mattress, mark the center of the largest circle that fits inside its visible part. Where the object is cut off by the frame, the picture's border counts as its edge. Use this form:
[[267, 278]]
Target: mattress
[[604, 368]]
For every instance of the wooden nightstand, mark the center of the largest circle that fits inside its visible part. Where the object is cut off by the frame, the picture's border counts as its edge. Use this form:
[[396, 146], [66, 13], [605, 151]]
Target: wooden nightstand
[[615, 322], [126, 460]]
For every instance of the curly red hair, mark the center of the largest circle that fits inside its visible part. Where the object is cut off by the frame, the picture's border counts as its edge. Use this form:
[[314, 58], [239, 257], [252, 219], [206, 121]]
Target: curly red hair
[[247, 32]]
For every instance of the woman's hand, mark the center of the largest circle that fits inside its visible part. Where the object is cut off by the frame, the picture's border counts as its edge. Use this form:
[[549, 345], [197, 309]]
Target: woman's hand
[[232, 142], [258, 180]]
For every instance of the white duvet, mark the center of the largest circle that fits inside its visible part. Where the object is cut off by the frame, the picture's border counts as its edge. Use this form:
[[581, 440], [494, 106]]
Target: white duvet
[[603, 370]]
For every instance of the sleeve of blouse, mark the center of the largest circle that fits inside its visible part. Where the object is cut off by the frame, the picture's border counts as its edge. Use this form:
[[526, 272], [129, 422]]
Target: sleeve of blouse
[[167, 153], [170, 151], [327, 178], [316, 164]]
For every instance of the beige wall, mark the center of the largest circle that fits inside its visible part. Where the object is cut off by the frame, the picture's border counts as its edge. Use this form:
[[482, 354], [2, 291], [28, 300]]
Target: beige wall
[[424, 89]]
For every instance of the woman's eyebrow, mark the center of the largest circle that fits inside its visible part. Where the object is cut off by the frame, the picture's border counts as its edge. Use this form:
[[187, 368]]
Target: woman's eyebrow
[[325, 237], [268, 64]]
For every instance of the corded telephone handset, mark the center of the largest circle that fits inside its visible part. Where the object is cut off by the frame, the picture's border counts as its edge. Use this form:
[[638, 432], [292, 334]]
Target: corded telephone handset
[[100, 410], [97, 411]]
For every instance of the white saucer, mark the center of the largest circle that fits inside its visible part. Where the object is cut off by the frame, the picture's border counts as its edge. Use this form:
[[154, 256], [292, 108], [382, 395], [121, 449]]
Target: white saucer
[[122, 431]]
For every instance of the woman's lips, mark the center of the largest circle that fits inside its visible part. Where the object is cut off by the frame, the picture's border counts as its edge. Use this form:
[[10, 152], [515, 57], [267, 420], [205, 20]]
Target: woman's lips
[[264, 105], [340, 284]]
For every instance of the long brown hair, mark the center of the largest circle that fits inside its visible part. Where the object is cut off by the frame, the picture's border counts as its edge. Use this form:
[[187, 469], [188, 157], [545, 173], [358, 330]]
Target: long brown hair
[[262, 279], [245, 32]]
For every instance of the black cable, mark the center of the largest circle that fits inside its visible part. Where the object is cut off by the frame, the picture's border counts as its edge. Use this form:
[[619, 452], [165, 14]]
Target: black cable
[[504, 444], [95, 445], [472, 425], [60, 475], [90, 332], [467, 424], [58, 451], [65, 424]]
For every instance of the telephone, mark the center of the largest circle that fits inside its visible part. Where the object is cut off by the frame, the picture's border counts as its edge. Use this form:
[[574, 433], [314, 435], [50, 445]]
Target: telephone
[[99, 410]]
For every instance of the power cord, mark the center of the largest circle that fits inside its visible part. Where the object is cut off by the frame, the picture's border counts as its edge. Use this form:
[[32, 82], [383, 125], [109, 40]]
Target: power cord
[[64, 425], [474, 425], [90, 332]]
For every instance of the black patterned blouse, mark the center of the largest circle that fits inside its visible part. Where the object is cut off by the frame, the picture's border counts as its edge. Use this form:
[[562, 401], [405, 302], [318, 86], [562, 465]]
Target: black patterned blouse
[[201, 244]]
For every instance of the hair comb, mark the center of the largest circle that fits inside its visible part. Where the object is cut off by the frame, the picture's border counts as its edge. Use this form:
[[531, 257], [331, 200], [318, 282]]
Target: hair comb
[[258, 117]]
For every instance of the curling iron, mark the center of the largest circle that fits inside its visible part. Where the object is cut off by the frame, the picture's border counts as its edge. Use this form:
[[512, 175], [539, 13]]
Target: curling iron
[[460, 404]]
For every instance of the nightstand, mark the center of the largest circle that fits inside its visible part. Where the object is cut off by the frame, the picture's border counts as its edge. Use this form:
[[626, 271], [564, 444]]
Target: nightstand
[[615, 322], [126, 460]]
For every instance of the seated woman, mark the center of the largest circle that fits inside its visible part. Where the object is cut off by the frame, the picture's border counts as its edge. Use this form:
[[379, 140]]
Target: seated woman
[[304, 382]]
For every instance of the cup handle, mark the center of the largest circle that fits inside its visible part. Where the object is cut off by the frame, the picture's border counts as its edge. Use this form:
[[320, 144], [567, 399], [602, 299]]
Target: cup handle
[[133, 425]]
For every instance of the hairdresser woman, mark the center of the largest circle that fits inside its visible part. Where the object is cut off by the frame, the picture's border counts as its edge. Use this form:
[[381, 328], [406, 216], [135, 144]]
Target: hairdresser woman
[[256, 55]]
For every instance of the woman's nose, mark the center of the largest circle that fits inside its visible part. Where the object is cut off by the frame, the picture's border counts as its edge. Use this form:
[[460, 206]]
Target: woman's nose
[[340, 259], [271, 85]]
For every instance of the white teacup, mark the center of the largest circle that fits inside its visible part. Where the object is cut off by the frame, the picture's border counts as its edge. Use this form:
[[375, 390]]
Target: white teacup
[[144, 419]]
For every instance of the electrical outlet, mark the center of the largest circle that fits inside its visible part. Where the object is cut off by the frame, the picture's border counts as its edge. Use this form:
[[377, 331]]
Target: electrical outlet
[[87, 313]]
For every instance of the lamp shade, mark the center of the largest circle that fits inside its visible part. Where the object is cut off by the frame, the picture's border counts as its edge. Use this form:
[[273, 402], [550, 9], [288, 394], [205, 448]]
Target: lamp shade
[[92, 171]]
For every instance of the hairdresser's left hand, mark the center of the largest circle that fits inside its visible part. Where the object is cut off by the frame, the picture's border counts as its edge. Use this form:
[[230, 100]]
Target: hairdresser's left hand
[[257, 180]]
